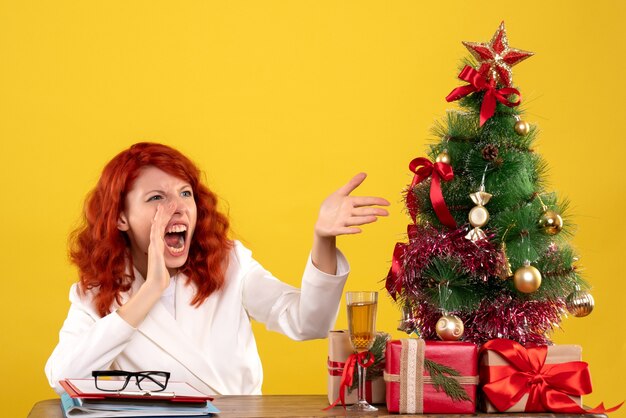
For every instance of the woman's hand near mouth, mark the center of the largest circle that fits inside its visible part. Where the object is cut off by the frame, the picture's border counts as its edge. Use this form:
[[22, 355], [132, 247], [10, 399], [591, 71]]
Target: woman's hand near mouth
[[137, 307], [157, 274]]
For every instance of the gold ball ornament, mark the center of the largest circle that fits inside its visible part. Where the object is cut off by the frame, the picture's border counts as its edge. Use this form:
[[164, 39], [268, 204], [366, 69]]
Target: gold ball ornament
[[551, 222], [527, 278], [450, 328], [443, 157], [579, 303], [521, 127]]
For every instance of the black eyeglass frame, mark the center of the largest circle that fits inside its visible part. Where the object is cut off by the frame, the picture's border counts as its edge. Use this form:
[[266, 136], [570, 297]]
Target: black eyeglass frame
[[139, 377]]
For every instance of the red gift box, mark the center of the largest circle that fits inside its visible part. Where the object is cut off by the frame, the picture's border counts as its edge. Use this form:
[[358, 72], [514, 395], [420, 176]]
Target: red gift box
[[410, 388], [514, 378], [494, 367]]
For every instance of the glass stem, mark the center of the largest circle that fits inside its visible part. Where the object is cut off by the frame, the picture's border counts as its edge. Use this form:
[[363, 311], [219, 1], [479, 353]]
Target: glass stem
[[361, 389]]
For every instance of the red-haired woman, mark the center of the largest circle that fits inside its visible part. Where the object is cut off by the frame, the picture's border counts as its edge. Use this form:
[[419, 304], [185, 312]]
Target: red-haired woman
[[162, 287]]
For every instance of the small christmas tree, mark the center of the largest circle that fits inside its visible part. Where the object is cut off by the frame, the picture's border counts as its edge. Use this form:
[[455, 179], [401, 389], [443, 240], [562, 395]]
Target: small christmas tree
[[487, 253]]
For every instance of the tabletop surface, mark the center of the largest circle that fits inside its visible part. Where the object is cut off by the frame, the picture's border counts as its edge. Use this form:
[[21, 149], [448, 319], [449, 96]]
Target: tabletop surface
[[276, 406]]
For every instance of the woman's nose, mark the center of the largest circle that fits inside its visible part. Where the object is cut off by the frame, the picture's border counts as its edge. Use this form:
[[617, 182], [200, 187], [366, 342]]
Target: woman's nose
[[180, 205]]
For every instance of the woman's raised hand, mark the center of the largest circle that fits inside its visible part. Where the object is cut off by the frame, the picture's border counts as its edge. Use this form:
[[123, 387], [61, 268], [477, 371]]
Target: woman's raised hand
[[342, 214]]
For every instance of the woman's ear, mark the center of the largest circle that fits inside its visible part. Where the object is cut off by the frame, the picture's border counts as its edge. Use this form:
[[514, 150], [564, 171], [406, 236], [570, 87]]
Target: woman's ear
[[122, 222]]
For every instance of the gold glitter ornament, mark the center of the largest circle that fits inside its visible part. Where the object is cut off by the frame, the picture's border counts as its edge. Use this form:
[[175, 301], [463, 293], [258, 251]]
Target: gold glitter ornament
[[450, 328], [527, 278], [443, 157], [579, 303], [521, 127], [550, 222], [506, 272]]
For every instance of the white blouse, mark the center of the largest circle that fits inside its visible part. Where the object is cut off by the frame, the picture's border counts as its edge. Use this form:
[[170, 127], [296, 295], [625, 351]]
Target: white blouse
[[168, 298], [211, 346]]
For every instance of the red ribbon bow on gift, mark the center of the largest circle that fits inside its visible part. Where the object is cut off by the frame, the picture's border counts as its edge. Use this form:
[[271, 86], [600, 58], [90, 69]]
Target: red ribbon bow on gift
[[424, 168], [547, 385], [478, 82], [365, 359]]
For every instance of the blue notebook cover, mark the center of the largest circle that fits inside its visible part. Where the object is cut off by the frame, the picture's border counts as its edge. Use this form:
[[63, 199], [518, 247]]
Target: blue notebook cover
[[74, 407]]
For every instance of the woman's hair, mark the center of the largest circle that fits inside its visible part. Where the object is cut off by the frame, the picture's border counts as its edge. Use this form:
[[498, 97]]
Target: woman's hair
[[100, 250]]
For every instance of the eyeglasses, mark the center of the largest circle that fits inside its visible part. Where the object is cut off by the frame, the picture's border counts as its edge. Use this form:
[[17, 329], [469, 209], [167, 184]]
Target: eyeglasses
[[117, 380]]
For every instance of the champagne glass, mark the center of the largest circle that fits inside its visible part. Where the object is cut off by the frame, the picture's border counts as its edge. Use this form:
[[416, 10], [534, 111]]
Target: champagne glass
[[362, 330]]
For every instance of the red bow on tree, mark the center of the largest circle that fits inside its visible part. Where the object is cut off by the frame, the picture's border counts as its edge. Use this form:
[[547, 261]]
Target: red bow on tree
[[547, 385], [424, 168], [478, 82], [393, 284]]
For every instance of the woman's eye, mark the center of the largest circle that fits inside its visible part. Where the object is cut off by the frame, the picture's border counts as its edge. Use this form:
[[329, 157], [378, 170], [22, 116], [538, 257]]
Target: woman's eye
[[187, 193], [155, 197]]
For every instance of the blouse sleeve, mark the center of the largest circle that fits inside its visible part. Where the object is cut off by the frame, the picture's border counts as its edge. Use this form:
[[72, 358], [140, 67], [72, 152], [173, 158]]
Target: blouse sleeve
[[300, 314], [86, 342]]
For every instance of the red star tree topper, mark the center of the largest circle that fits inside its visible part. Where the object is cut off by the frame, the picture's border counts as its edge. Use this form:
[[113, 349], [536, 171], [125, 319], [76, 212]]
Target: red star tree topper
[[496, 57]]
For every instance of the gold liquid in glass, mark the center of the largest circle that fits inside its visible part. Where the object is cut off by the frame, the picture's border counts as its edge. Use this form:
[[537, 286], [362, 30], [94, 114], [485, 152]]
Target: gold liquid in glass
[[361, 320], [362, 330]]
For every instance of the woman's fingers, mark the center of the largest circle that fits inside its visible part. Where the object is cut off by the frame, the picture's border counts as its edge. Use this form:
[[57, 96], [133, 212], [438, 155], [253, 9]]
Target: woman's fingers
[[348, 231], [157, 230], [157, 270], [359, 201], [161, 218], [354, 182], [367, 211], [360, 220]]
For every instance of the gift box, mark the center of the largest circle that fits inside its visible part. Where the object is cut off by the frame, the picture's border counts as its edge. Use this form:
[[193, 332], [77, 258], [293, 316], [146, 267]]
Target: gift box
[[431, 377], [518, 379], [339, 349]]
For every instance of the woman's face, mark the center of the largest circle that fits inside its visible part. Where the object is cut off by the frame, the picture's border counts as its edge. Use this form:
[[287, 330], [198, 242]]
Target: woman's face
[[151, 188]]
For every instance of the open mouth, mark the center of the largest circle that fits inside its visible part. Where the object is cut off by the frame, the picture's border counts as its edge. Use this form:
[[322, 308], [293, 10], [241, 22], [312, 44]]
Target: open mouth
[[175, 237]]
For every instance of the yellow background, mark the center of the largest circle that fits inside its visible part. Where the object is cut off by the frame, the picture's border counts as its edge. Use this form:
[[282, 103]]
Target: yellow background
[[281, 102]]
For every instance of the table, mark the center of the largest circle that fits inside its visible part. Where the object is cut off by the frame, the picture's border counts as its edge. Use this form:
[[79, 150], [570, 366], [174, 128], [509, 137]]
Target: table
[[276, 406]]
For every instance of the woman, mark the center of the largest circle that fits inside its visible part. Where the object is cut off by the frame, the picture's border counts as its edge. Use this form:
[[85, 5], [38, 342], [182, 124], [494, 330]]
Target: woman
[[163, 288]]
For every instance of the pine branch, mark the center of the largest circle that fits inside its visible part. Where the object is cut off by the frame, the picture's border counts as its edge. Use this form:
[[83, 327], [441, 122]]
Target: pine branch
[[446, 274], [450, 386]]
